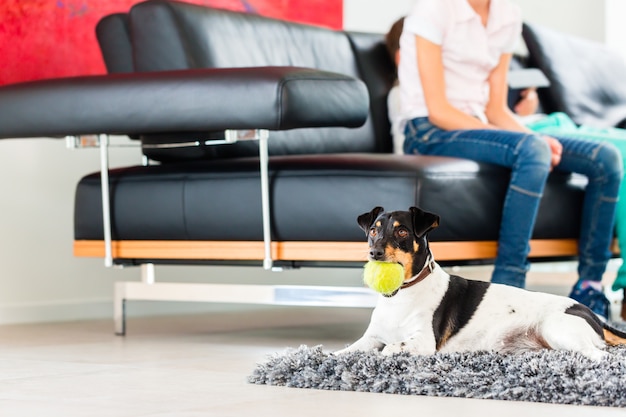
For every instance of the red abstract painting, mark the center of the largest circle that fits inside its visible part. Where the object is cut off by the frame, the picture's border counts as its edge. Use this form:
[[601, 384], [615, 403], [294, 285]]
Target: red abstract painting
[[56, 38]]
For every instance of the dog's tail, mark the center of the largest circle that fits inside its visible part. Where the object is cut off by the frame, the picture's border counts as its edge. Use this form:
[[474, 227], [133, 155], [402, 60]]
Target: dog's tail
[[613, 336]]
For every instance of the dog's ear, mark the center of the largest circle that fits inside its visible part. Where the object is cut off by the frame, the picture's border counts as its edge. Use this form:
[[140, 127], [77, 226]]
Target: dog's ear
[[365, 220], [423, 221]]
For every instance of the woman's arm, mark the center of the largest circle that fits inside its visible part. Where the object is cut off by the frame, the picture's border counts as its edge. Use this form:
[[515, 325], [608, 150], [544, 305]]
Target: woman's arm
[[499, 114], [440, 112], [497, 110]]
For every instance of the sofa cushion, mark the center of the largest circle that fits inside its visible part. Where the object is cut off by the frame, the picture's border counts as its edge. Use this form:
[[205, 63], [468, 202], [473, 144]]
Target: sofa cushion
[[313, 198], [113, 33], [378, 73], [587, 78]]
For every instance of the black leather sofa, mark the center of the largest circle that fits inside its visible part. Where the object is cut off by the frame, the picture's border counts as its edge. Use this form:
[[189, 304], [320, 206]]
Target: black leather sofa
[[183, 79], [320, 178]]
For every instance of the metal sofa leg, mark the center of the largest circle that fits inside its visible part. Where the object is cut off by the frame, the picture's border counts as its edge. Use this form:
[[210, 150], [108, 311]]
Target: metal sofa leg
[[120, 295], [119, 308]]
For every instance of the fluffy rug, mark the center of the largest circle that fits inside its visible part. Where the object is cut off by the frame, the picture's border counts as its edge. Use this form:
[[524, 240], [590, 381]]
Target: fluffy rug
[[544, 376]]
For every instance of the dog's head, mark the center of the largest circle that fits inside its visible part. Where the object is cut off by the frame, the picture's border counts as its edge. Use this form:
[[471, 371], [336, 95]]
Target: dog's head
[[399, 236]]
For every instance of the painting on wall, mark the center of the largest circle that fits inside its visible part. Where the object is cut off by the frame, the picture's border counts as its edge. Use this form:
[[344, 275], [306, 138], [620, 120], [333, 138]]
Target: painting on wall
[[56, 38]]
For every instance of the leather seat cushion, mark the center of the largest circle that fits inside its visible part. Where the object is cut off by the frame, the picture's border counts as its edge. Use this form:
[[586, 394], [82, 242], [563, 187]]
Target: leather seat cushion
[[314, 198]]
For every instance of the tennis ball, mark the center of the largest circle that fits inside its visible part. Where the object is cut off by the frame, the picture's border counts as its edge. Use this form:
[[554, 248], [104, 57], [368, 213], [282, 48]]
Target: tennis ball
[[383, 277]]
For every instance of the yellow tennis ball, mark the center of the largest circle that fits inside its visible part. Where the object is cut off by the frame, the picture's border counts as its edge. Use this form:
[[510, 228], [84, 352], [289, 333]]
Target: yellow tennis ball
[[383, 277]]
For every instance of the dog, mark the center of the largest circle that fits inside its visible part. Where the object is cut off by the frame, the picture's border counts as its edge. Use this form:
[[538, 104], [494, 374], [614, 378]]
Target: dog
[[437, 312]]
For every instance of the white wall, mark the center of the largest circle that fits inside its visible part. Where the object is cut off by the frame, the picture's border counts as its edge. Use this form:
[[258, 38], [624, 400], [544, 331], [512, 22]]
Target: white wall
[[40, 280], [581, 17], [615, 11], [373, 15]]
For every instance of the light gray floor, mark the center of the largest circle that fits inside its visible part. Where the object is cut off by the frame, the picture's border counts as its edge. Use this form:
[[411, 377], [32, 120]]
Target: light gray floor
[[197, 366]]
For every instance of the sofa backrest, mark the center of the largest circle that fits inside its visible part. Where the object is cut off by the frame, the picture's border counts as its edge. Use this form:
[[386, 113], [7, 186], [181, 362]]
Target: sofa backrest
[[171, 35], [113, 33]]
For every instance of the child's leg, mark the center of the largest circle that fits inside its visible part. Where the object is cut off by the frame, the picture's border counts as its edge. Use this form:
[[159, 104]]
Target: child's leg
[[557, 124], [620, 222], [601, 163]]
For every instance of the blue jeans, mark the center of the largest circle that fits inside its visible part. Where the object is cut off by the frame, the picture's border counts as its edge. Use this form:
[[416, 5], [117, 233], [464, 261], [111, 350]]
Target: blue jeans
[[528, 156]]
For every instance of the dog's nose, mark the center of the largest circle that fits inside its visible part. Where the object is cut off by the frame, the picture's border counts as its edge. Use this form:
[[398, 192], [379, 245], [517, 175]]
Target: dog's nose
[[377, 254]]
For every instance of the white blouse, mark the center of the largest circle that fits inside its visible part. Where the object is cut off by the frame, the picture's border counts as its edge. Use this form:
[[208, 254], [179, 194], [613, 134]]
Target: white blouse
[[470, 51]]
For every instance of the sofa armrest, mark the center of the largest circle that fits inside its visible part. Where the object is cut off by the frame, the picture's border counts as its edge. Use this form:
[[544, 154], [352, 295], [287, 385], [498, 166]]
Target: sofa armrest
[[273, 98]]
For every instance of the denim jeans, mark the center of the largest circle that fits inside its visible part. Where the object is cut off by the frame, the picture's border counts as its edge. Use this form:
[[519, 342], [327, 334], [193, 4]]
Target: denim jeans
[[528, 156]]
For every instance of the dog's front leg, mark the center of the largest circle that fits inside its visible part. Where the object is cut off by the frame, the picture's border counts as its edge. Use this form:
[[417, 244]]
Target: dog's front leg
[[417, 344]]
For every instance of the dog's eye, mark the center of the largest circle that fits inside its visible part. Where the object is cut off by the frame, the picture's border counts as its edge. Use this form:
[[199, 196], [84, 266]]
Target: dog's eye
[[402, 233], [373, 232]]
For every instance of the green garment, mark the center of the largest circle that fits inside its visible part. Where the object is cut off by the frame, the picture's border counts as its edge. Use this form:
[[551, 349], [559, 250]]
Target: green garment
[[560, 124]]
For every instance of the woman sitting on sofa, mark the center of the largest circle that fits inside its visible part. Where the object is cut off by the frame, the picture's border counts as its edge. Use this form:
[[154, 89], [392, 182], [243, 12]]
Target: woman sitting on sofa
[[453, 62]]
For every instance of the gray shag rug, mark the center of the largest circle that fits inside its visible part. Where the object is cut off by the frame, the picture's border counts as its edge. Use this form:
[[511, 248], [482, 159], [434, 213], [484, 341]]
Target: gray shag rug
[[545, 376]]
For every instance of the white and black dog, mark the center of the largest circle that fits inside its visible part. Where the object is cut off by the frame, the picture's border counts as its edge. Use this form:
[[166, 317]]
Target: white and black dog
[[434, 311]]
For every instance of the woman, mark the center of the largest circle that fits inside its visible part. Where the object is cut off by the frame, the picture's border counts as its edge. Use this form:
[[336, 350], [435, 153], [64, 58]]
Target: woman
[[454, 59]]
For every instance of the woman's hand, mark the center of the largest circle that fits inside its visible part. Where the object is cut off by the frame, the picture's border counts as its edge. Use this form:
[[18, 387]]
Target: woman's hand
[[556, 148]]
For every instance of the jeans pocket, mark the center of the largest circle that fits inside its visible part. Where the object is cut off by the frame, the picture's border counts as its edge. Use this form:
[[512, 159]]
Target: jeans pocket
[[420, 133], [420, 129], [426, 135], [424, 125]]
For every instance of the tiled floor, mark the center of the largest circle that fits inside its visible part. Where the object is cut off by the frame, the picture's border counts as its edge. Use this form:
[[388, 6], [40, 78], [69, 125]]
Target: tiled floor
[[197, 366]]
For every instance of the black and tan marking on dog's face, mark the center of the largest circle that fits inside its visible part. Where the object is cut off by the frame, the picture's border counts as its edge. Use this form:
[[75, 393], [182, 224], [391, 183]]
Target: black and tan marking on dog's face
[[399, 236]]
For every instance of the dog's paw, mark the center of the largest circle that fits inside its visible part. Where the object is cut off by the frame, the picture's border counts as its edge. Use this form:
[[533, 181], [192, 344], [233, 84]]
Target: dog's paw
[[407, 347], [394, 348], [596, 355]]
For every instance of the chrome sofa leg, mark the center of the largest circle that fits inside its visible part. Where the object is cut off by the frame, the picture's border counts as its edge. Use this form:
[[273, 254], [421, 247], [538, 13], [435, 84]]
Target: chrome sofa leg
[[268, 262], [106, 205]]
